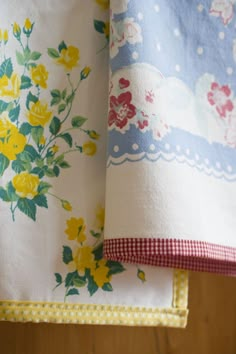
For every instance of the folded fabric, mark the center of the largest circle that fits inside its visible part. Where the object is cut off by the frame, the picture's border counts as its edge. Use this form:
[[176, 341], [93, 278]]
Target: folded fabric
[[53, 104], [171, 166]]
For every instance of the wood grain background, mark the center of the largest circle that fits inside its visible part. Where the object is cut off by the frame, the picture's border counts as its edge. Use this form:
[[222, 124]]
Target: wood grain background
[[211, 329]]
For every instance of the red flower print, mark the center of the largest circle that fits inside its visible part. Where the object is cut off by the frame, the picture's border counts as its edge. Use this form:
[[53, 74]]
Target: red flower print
[[149, 96], [121, 110], [143, 122], [219, 97], [123, 83]]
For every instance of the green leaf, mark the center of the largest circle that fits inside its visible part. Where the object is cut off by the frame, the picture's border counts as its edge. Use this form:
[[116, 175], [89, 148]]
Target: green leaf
[[55, 101], [59, 159], [20, 58], [39, 162], [56, 170], [32, 153], [14, 113], [4, 163], [68, 138], [92, 286], [4, 195], [72, 291], [70, 98], [61, 108], [38, 171], [6, 68], [69, 279], [55, 93], [41, 201], [53, 53], [78, 121], [63, 94], [55, 126], [64, 164], [58, 278], [37, 133], [27, 54], [49, 172], [44, 187], [19, 166], [35, 55], [31, 65], [25, 82], [78, 281], [95, 234], [99, 26], [67, 255], [11, 192], [61, 46], [25, 128], [27, 207], [107, 287], [30, 98], [3, 106], [98, 252], [114, 267]]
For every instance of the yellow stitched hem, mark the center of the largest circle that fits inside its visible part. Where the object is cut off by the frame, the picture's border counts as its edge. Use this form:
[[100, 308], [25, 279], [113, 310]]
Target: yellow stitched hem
[[54, 312]]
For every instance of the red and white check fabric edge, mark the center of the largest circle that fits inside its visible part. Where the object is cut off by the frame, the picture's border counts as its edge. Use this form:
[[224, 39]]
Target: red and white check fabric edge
[[181, 254]]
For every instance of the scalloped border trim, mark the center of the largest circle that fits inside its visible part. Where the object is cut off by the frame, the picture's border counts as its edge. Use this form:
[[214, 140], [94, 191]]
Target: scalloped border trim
[[54, 312]]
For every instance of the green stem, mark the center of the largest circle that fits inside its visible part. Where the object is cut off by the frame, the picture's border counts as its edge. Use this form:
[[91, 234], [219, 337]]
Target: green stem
[[69, 151], [55, 196], [100, 50], [13, 211]]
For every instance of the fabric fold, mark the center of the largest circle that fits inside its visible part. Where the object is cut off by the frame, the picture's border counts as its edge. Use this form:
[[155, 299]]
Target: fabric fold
[[171, 155]]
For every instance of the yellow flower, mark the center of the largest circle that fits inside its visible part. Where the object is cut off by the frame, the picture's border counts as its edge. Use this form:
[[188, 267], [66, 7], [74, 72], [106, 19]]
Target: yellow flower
[[28, 27], [1, 35], [54, 149], [104, 4], [100, 274], [12, 142], [106, 30], [5, 36], [141, 275], [66, 205], [84, 258], [10, 88], [76, 229], [39, 75], [26, 185], [39, 114], [16, 30], [100, 217], [89, 148], [69, 57], [93, 135], [42, 140], [85, 72]]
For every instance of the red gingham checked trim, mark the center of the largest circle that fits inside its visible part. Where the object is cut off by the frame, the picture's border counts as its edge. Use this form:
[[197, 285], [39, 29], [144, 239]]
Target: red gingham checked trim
[[181, 254]]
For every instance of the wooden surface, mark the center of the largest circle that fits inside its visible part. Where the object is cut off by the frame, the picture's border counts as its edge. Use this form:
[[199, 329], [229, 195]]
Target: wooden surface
[[211, 329]]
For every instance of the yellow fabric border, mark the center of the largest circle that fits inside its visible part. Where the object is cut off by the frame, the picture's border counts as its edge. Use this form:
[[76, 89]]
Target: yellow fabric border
[[27, 311]]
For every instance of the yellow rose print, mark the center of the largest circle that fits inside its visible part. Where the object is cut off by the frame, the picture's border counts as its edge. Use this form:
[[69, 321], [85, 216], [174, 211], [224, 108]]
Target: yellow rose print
[[26, 185], [39, 75], [100, 217], [39, 114], [10, 88], [12, 142], [66, 205], [100, 274], [89, 148], [141, 275], [104, 4], [84, 259], [69, 57], [76, 229], [16, 30]]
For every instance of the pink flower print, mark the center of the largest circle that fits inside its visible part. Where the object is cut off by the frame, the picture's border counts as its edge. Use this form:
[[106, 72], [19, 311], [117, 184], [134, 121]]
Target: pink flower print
[[230, 135], [121, 110], [223, 9], [143, 122], [219, 97], [123, 83], [160, 128], [149, 96]]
